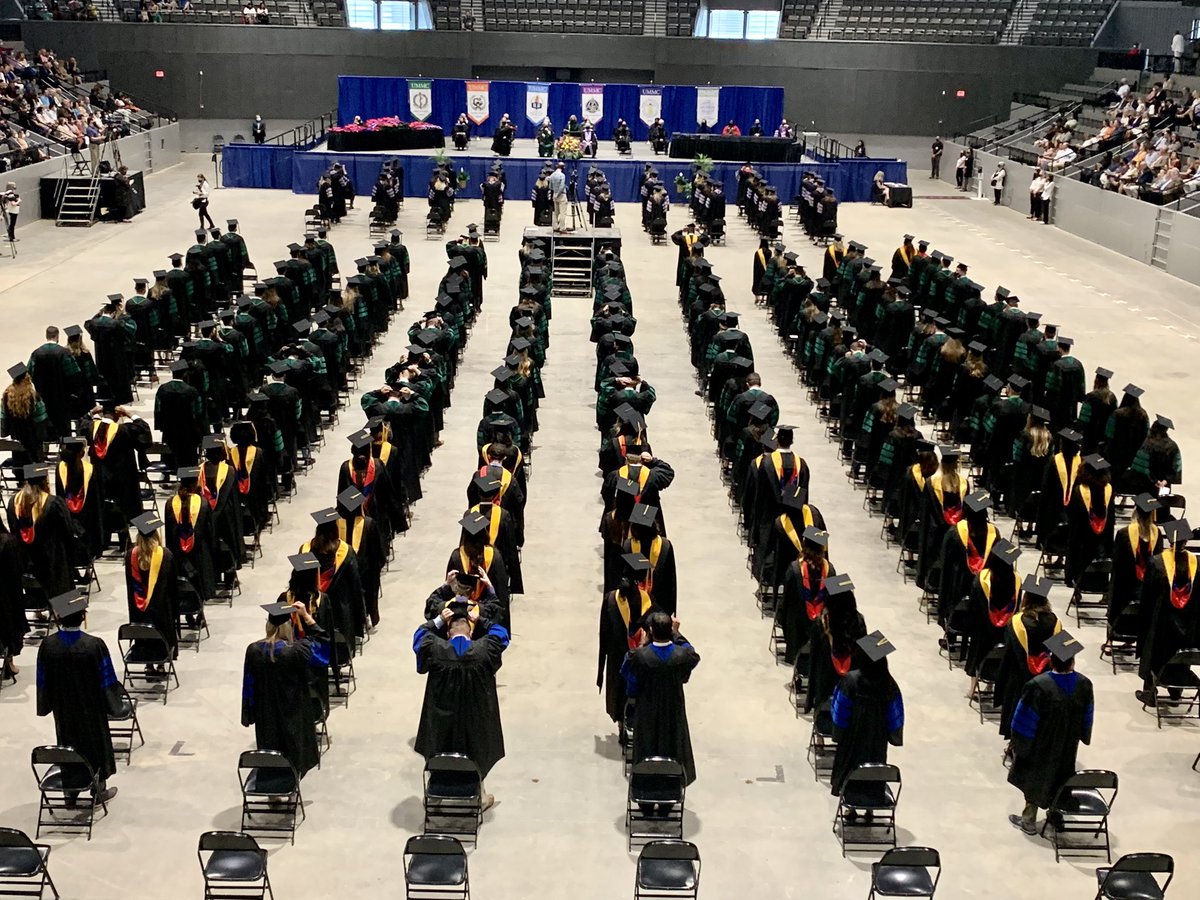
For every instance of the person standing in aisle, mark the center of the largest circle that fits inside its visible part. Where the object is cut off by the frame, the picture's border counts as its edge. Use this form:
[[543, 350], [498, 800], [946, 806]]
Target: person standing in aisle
[[935, 157], [200, 201], [12, 208]]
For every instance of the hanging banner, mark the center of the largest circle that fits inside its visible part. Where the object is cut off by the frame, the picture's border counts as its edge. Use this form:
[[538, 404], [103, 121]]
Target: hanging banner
[[708, 102], [537, 102], [650, 107], [477, 101], [592, 100], [420, 98]]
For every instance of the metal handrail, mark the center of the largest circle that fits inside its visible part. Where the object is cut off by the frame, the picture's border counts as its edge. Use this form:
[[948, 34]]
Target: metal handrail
[[306, 134]]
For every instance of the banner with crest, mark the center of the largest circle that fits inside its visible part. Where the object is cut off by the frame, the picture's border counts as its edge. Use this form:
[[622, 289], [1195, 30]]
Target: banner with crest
[[650, 107], [477, 101], [537, 101], [420, 98], [591, 98]]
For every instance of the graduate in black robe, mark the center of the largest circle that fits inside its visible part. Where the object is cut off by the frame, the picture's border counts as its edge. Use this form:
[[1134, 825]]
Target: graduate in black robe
[[655, 674], [833, 641], [647, 539], [1170, 607], [76, 482], [13, 624], [42, 524], [113, 333], [504, 533], [59, 381], [77, 685], [337, 577], [1025, 654], [461, 711], [253, 470], [804, 593], [117, 439], [965, 549], [371, 478], [151, 590], [276, 695], [190, 534], [994, 598], [218, 486], [179, 414], [1134, 547], [623, 620], [1059, 476], [1053, 716], [362, 534], [867, 711], [941, 509], [1090, 518]]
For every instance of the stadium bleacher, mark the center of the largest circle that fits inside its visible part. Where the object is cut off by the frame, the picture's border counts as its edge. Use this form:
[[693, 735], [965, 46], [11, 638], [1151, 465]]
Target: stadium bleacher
[[797, 18], [616, 16], [681, 17], [1072, 24], [946, 21]]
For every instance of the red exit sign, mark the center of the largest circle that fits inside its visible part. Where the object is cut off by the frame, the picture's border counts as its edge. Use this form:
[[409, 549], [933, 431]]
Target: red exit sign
[[958, 93], [159, 73]]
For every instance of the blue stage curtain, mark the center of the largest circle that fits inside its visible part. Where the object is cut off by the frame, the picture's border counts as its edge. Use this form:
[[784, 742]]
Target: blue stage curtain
[[371, 97], [507, 97], [257, 166], [620, 102], [678, 108], [745, 104], [565, 101], [449, 102]]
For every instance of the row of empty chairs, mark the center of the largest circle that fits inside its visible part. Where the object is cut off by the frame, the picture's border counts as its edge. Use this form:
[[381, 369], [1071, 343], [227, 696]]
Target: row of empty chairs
[[681, 17], [1066, 24], [908, 20], [606, 16], [797, 18]]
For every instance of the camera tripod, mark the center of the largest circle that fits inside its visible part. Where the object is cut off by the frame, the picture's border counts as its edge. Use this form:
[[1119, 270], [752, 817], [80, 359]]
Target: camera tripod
[[577, 217]]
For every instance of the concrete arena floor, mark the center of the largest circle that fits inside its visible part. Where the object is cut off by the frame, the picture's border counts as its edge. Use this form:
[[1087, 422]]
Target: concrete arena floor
[[761, 822]]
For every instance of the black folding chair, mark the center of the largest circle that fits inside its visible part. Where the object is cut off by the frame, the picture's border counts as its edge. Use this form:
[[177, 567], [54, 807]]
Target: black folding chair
[[1176, 685], [1091, 587], [123, 725], [143, 646], [1136, 876], [983, 697], [906, 872], [68, 786], [868, 806], [666, 870], [435, 868], [235, 867], [1082, 806], [1120, 643], [822, 746], [453, 797], [23, 871], [271, 791], [191, 628], [655, 801]]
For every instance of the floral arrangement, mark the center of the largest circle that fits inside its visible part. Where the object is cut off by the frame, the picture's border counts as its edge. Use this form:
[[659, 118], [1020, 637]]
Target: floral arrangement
[[462, 178], [682, 185], [384, 123], [569, 146]]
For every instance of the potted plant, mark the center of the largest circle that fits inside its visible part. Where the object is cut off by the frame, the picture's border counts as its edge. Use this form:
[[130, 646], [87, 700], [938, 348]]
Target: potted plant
[[702, 163], [682, 185], [463, 178]]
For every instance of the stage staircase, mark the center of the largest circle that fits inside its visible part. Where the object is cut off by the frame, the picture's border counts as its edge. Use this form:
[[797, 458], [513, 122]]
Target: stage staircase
[[573, 255]]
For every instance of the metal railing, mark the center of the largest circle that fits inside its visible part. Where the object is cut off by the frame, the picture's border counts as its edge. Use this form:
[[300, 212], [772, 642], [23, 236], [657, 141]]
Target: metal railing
[[306, 134], [827, 148]]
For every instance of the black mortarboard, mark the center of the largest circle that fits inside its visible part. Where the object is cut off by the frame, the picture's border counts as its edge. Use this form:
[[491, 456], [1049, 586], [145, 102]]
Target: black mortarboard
[[636, 562], [1039, 587], [1070, 435], [875, 646], [278, 367], [502, 373], [906, 411], [523, 322], [1006, 551], [992, 383], [486, 484], [628, 486], [977, 346], [520, 344], [325, 516], [207, 324], [351, 499], [457, 262], [201, 233], [20, 370], [1033, 317], [1096, 463], [1104, 373], [188, 473], [147, 523], [73, 443], [175, 257], [301, 326], [1177, 531], [816, 536], [838, 585], [304, 562], [759, 411], [141, 282], [1040, 414], [69, 604], [877, 355], [212, 442], [474, 523], [923, 446], [227, 315], [1164, 422], [794, 499], [1133, 390], [72, 331], [35, 472], [495, 396], [278, 613], [644, 515], [889, 385], [1062, 646], [360, 439], [114, 298], [1146, 503], [978, 501], [950, 452], [1019, 382]]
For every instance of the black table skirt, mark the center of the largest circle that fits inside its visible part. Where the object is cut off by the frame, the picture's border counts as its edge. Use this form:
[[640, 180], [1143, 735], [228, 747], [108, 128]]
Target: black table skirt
[[48, 192], [735, 149], [368, 141]]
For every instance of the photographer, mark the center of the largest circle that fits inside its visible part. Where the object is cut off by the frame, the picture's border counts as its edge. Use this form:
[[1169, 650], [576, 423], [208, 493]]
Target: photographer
[[12, 208], [200, 201], [558, 192]]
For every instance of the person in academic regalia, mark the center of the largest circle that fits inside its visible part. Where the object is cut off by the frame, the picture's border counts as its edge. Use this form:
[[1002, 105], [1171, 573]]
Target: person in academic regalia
[[362, 534], [253, 470], [76, 483], [13, 624], [337, 576], [1170, 608], [1158, 464], [151, 589], [655, 674], [622, 137], [1134, 548], [964, 550], [42, 523], [994, 598], [867, 711], [903, 257], [59, 382], [657, 136], [941, 510], [685, 239], [907, 499], [371, 478], [495, 483], [461, 132], [460, 712], [647, 539], [190, 534], [1094, 412], [1031, 454], [1025, 654], [77, 685], [1090, 518], [23, 416], [785, 543], [502, 139], [276, 695], [218, 487], [505, 531], [114, 333], [478, 555], [833, 641], [1126, 431], [651, 474], [624, 612], [239, 255], [804, 592], [117, 439], [1054, 715], [179, 415]]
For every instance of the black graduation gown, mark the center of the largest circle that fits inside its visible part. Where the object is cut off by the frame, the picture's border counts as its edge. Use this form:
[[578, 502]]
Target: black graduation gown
[[824, 672], [222, 501], [161, 608], [498, 574], [461, 712], [1024, 657], [255, 487], [655, 679], [1089, 535], [664, 586], [957, 562], [507, 542], [936, 508], [114, 355], [48, 367], [178, 414], [991, 603], [1169, 626], [76, 683], [871, 701], [1059, 707], [117, 463], [13, 625], [380, 500], [342, 586], [371, 552], [1131, 560], [192, 543], [48, 547], [84, 495], [618, 637], [277, 701], [800, 606]]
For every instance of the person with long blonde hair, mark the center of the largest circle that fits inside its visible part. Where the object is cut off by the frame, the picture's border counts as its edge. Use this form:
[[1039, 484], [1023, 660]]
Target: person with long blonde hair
[[151, 586], [23, 416], [1031, 453], [42, 524]]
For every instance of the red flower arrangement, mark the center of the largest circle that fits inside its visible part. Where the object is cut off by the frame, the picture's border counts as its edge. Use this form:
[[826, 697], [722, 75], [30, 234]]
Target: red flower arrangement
[[384, 123]]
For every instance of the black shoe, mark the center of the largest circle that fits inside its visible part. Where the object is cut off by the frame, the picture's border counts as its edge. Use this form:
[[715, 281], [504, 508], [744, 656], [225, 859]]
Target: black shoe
[[1147, 698], [105, 795], [1018, 822]]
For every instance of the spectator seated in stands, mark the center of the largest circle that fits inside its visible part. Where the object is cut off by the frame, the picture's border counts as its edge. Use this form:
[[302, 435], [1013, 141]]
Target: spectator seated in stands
[[149, 11]]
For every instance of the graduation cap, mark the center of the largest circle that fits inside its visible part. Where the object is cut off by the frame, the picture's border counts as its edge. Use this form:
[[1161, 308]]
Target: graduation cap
[[1177, 531], [207, 324], [1066, 342], [619, 368], [785, 431], [936, 254], [636, 563], [147, 523], [520, 344], [141, 282], [947, 259], [360, 439], [1033, 317], [1062, 646], [474, 523], [496, 396], [1133, 390], [19, 371], [351, 499], [188, 473], [816, 536], [512, 360], [1070, 435], [35, 472], [278, 613], [977, 502], [278, 367], [838, 585], [1040, 414], [877, 355], [1039, 587], [358, 279], [924, 446], [1096, 463], [486, 484], [889, 385], [457, 262], [325, 516], [502, 373], [200, 233], [303, 326], [955, 332], [361, 262], [628, 486], [1003, 292], [875, 646], [244, 302], [759, 411], [175, 257], [213, 442], [227, 315], [1104, 373], [992, 383], [906, 411], [115, 298], [791, 256], [644, 515], [729, 319], [767, 441], [73, 443], [1146, 503], [72, 331], [1158, 420], [708, 288], [524, 322], [948, 452], [794, 499], [320, 317], [1018, 382], [977, 347], [1006, 551], [941, 322], [72, 603], [427, 336]]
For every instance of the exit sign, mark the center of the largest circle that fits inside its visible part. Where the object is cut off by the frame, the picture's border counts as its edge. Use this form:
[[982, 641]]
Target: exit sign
[[958, 93], [159, 73]]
